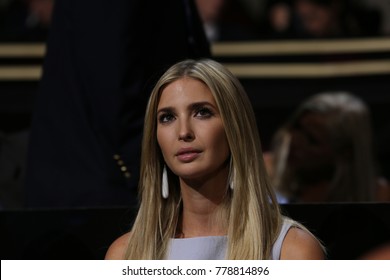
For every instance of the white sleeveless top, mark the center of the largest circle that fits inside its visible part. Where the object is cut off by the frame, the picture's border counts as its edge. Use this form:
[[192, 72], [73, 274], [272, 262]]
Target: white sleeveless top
[[214, 247]]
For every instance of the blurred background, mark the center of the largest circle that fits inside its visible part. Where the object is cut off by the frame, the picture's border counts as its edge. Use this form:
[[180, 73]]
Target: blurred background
[[283, 51]]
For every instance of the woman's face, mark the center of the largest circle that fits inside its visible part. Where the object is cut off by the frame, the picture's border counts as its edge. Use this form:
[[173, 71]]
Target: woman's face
[[190, 131]]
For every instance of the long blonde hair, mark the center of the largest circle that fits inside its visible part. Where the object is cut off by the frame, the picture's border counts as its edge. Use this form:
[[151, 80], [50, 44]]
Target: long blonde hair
[[252, 211]]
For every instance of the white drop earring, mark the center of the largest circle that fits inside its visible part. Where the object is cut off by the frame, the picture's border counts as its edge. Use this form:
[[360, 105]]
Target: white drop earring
[[164, 184], [231, 178]]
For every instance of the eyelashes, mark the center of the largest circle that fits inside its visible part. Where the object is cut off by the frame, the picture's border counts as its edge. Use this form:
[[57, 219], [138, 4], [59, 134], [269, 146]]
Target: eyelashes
[[200, 112], [204, 113], [165, 117]]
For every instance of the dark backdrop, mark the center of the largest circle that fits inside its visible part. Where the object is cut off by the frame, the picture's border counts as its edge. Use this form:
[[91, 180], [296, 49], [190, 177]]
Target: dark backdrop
[[347, 230]]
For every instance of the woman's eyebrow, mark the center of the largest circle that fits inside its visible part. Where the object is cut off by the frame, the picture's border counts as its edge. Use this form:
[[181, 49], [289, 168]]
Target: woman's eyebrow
[[165, 109], [192, 106], [197, 105]]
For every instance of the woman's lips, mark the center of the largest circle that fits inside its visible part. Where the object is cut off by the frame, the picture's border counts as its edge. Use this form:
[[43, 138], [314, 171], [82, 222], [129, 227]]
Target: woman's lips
[[187, 155]]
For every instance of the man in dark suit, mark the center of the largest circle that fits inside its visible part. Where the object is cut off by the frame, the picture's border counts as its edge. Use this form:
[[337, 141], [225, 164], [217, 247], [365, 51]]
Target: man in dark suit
[[102, 60]]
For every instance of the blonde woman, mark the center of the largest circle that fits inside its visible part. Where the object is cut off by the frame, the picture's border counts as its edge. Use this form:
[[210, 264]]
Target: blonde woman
[[204, 189]]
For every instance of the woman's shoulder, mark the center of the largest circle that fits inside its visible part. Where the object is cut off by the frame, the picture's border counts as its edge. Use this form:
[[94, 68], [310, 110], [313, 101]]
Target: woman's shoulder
[[300, 244], [117, 249]]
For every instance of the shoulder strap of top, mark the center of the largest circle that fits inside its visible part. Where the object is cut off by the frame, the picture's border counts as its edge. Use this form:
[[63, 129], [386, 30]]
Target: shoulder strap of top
[[277, 247]]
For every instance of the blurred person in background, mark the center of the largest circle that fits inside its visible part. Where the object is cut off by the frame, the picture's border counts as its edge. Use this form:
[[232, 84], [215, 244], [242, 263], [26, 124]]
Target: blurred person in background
[[210, 12], [84, 147], [324, 152], [225, 20], [278, 20], [335, 19]]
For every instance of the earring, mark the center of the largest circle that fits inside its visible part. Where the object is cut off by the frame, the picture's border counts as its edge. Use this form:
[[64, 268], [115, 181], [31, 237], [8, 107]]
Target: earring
[[164, 185], [231, 178], [231, 185]]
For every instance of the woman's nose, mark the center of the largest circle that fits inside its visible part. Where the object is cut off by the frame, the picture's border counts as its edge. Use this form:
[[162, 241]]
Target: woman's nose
[[185, 131]]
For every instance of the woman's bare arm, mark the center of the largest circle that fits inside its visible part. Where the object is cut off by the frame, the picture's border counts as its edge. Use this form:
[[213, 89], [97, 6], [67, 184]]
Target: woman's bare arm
[[301, 245], [117, 249]]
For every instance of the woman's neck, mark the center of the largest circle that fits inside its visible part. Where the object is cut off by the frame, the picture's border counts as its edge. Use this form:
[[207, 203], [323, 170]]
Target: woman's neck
[[201, 207]]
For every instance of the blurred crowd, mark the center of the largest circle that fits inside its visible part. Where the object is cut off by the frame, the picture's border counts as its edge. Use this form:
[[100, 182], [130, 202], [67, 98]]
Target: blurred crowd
[[297, 144], [234, 20]]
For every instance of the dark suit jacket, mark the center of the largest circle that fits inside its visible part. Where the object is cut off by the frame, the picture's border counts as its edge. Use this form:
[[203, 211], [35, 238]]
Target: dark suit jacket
[[102, 60]]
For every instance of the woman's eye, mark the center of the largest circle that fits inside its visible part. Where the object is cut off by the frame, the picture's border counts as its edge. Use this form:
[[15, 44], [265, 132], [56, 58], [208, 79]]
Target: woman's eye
[[204, 113], [165, 118]]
